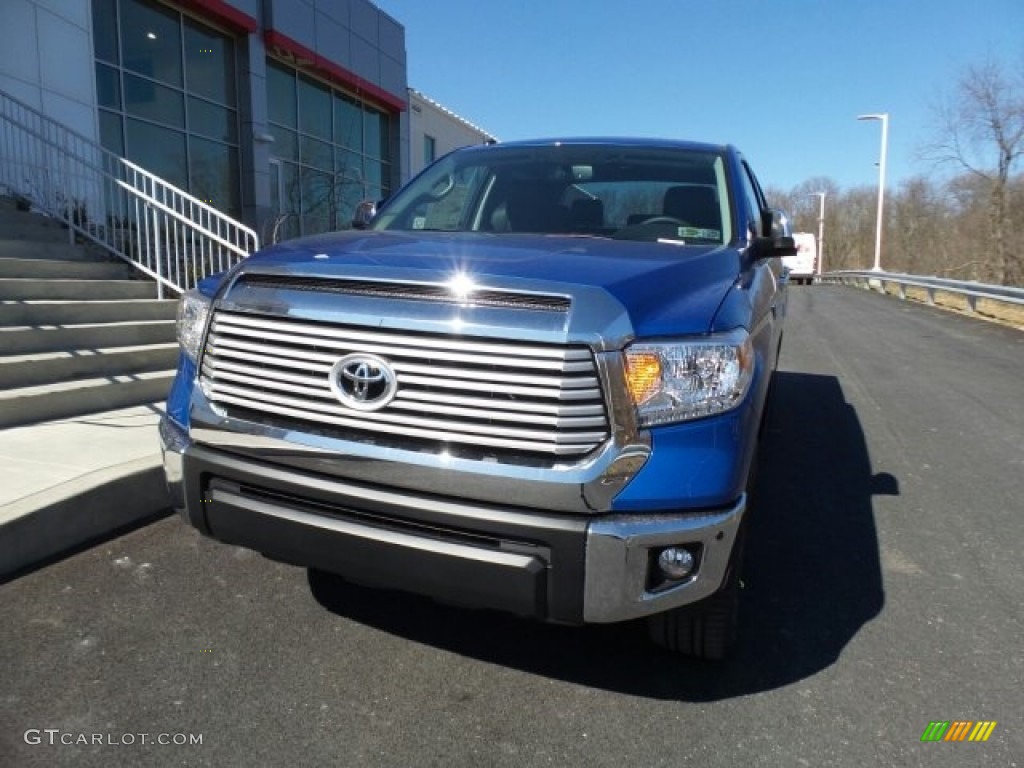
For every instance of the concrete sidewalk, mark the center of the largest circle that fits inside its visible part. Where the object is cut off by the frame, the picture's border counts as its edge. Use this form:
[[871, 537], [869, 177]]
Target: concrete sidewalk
[[68, 482]]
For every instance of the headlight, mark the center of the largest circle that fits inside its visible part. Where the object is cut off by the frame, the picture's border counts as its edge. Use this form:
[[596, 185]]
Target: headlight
[[193, 309], [689, 379]]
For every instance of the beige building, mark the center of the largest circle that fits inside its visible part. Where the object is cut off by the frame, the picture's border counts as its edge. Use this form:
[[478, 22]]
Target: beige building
[[435, 131]]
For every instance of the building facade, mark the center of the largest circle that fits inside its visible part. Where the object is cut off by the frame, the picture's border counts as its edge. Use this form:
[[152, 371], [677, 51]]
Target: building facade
[[283, 113], [434, 131]]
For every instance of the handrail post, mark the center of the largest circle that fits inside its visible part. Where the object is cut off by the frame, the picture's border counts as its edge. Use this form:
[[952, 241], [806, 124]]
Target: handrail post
[[69, 208], [156, 253]]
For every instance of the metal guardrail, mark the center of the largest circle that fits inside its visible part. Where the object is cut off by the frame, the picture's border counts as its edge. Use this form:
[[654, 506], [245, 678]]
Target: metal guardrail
[[969, 289], [160, 229]]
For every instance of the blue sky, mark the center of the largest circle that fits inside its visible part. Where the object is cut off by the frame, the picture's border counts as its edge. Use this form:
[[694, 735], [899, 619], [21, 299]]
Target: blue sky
[[782, 79]]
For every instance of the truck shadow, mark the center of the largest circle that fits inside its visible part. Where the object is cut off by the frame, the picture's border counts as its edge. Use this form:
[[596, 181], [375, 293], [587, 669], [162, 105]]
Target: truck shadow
[[812, 577]]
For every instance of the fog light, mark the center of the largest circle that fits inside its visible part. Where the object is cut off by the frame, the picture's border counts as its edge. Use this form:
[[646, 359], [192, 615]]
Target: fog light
[[676, 563]]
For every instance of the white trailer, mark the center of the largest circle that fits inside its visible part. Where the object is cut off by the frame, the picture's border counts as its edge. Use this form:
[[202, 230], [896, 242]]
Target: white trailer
[[804, 265]]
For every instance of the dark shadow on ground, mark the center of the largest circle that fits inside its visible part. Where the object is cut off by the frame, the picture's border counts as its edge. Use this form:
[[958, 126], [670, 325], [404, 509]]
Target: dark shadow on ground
[[812, 576]]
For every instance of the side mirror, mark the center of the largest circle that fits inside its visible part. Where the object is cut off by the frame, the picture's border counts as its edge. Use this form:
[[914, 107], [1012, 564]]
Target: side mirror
[[364, 214], [779, 235]]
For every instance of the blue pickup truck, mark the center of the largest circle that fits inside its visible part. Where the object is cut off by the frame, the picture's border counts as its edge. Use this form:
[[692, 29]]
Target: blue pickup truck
[[533, 381]]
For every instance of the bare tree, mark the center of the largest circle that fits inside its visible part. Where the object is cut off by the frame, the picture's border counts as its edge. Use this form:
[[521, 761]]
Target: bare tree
[[981, 131]]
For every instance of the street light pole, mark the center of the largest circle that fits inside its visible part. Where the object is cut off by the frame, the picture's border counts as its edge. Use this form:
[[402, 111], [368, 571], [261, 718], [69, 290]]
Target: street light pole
[[884, 117], [821, 230]]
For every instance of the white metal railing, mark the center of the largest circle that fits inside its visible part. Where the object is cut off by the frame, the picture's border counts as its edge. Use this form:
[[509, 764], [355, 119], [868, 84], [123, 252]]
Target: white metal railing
[[969, 289], [163, 231]]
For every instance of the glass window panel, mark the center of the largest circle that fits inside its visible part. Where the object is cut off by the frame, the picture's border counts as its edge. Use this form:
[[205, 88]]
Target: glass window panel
[[349, 185], [376, 128], [385, 137], [209, 64], [104, 28], [145, 98], [276, 196], [211, 120], [151, 40], [158, 150], [317, 191], [349, 165], [281, 95], [286, 144], [291, 195], [111, 135], [287, 226], [213, 168], [316, 153], [314, 109], [374, 173], [349, 180], [319, 201], [108, 86], [385, 183], [348, 123]]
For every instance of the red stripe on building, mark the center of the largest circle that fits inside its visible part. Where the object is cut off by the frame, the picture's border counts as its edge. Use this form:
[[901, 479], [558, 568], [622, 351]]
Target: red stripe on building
[[304, 58]]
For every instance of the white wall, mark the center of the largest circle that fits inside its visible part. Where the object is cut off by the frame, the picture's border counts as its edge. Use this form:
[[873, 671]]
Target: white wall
[[428, 118], [46, 59]]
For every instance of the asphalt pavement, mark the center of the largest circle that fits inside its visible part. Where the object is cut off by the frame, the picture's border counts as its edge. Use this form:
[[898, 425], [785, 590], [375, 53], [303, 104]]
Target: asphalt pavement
[[883, 591]]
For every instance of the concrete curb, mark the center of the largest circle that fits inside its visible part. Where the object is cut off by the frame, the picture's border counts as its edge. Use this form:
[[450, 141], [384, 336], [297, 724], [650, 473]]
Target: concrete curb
[[39, 527]]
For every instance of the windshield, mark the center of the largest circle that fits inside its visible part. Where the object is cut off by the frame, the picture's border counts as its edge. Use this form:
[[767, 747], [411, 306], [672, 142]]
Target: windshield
[[634, 193]]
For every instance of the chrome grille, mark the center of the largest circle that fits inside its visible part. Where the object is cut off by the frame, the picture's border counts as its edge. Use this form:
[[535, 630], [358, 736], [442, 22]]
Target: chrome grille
[[495, 397]]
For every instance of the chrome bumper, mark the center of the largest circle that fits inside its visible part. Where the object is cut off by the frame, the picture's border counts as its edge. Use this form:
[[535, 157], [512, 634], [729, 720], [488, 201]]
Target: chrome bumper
[[564, 568]]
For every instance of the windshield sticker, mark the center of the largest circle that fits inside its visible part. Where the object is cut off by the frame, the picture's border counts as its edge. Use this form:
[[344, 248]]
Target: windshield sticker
[[699, 234]]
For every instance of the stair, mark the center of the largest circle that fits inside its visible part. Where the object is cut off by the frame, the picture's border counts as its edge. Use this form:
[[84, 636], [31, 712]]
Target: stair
[[80, 333]]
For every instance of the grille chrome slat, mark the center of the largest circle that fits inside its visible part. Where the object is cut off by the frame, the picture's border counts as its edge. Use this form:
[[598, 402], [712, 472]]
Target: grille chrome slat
[[501, 389], [555, 366], [324, 333], [223, 367], [561, 408], [568, 422], [496, 398], [559, 450], [274, 385], [468, 374], [379, 422]]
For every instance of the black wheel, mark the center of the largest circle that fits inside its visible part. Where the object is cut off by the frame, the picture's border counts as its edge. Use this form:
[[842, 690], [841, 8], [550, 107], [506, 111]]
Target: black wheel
[[704, 630]]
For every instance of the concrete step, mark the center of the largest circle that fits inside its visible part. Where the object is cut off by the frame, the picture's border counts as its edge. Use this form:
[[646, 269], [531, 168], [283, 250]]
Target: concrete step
[[22, 340], [28, 226], [35, 218], [44, 368], [79, 290], [27, 405], [38, 312], [64, 269], [63, 251]]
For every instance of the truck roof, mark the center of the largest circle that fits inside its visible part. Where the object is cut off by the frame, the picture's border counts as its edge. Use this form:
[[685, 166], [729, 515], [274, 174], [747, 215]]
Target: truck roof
[[619, 141]]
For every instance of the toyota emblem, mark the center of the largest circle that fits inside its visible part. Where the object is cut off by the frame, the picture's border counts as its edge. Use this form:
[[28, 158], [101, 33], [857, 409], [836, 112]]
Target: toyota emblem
[[363, 382]]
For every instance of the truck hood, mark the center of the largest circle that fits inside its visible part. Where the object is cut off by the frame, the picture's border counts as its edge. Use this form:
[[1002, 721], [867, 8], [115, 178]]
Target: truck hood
[[652, 289]]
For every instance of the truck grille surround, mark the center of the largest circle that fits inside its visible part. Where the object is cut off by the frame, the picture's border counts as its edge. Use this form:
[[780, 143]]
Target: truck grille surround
[[483, 399]]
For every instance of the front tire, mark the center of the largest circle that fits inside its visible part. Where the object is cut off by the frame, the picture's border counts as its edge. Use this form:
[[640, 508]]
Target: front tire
[[708, 629]]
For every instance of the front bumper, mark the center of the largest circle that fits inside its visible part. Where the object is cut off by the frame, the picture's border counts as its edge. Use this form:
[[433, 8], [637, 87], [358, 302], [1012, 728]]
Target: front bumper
[[555, 567]]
